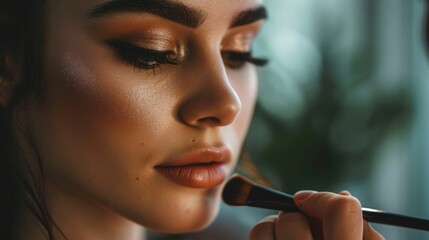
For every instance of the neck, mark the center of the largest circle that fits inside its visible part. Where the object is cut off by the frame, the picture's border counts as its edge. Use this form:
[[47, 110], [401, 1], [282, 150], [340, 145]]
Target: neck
[[80, 219]]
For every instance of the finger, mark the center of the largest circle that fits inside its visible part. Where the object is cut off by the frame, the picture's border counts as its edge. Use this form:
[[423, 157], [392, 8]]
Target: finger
[[292, 226], [264, 230], [369, 233], [341, 214]]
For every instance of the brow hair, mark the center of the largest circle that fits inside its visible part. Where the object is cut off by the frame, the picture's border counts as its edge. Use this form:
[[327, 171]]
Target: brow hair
[[249, 16], [176, 12]]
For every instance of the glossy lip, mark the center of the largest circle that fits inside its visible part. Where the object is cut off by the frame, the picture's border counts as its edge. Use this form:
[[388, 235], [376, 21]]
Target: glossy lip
[[201, 168]]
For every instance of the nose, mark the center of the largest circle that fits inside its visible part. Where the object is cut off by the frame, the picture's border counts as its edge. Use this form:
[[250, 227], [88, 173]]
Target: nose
[[213, 101]]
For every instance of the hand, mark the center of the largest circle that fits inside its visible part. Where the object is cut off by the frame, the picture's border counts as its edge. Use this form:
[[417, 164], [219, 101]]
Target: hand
[[326, 216]]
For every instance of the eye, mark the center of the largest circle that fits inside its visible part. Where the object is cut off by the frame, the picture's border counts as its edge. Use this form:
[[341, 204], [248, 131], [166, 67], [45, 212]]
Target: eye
[[142, 57], [236, 60]]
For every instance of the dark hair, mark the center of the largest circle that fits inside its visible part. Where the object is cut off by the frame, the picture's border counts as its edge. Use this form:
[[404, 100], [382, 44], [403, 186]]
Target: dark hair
[[22, 185]]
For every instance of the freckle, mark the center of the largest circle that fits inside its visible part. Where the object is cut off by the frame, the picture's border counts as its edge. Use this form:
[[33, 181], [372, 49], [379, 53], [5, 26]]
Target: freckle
[[137, 178], [142, 143], [193, 140]]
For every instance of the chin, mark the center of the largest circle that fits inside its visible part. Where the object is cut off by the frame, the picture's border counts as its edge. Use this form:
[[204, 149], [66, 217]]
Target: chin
[[189, 212], [187, 220]]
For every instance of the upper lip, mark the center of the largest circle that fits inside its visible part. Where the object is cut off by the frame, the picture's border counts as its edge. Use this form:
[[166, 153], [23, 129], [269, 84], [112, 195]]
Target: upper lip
[[200, 156]]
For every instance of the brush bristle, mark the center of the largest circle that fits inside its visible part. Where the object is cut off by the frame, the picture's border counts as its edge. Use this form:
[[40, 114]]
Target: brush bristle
[[237, 190]]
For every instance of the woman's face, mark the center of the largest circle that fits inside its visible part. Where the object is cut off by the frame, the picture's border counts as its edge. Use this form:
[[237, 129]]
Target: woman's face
[[145, 107]]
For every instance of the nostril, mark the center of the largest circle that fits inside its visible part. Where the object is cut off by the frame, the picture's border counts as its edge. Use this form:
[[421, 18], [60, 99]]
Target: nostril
[[210, 121]]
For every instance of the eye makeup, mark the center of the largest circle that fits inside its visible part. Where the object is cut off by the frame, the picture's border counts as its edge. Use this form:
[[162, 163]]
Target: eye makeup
[[237, 50], [239, 42], [151, 47], [153, 56], [148, 49], [144, 58], [236, 60]]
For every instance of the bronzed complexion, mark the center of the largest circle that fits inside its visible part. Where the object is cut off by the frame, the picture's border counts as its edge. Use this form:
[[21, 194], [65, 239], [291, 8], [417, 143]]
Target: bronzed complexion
[[131, 89]]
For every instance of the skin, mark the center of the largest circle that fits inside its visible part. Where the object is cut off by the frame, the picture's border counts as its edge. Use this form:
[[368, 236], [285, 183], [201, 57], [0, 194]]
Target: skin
[[104, 125], [324, 215]]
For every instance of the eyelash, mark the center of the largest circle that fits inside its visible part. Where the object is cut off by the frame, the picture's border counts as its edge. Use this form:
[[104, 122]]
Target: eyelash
[[150, 59], [236, 60], [142, 57]]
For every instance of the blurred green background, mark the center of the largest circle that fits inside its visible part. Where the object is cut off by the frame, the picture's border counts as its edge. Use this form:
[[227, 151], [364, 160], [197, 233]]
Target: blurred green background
[[343, 104]]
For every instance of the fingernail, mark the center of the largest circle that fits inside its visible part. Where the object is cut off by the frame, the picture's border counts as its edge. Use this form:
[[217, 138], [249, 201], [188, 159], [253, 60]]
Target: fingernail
[[345, 192], [302, 195]]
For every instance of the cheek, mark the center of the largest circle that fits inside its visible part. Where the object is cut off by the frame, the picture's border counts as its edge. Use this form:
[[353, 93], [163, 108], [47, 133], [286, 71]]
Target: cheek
[[92, 93], [97, 118]]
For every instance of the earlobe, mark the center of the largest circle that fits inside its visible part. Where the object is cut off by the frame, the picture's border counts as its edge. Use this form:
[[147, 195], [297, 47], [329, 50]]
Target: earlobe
[[8, 80]]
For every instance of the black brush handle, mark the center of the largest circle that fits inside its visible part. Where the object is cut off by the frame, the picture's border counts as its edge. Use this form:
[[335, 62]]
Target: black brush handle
[[378, 216], [263, 197], [277, 206]]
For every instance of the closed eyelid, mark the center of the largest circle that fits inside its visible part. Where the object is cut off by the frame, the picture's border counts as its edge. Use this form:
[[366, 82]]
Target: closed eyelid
[[239, 42], [160, 43], [142, 57]]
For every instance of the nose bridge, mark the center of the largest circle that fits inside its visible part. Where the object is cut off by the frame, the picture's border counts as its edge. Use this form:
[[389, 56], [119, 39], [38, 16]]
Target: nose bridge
[[214, 101], [216, 83]]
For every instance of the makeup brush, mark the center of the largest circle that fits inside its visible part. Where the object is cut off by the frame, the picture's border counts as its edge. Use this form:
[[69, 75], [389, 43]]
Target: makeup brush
[[240, 191]]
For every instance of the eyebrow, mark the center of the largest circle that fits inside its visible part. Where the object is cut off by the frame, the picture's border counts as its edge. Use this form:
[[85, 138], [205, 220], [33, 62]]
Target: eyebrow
[[176, 12], [249, 16]]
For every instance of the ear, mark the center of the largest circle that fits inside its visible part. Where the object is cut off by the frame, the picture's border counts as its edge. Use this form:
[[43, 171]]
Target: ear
[[8, 79]]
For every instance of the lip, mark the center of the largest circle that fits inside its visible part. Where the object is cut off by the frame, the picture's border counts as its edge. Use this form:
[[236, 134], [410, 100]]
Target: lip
[[201, 168]]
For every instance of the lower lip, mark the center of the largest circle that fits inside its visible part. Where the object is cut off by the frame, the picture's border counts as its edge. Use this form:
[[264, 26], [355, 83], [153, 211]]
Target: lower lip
[[196, 176]]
